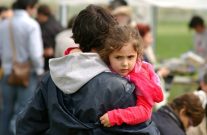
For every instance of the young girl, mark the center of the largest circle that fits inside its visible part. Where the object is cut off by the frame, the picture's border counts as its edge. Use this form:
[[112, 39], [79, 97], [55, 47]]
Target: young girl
[[122, 53]]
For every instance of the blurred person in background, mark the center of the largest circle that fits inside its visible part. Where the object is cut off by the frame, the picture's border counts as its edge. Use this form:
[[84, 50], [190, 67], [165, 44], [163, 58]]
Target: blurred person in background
[[181, 113], [145, 32], [64, 39], [201, 129], [149, 56], [197, 23], [200, 36], [28, 44], [5, 13], [121, 11], [117, 3], [123, 15], [50, 28]]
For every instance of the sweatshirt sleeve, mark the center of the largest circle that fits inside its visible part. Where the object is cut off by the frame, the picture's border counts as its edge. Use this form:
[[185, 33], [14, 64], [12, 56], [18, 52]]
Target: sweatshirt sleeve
[[131, 115]]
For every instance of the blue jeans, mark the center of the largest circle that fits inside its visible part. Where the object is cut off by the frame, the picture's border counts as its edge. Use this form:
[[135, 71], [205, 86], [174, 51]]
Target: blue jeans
[[14, 100]]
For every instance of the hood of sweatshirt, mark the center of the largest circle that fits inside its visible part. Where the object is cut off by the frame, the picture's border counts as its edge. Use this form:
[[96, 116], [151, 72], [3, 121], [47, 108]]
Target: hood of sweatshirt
[[71, 72]]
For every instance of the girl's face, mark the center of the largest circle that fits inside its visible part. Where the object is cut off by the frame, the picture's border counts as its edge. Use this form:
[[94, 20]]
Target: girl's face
[[123, 61]]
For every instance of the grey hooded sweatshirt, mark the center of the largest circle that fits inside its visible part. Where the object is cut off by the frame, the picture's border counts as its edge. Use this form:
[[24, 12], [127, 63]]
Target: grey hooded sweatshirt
[[71, 72]]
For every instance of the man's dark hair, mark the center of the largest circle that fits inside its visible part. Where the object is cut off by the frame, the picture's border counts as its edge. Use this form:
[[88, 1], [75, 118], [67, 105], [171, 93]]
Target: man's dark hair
[[91, 27], [44, 10], [23, 4], [195, 21]]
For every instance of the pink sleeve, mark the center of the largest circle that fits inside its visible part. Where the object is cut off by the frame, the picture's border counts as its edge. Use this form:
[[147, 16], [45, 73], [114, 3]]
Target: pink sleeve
[[131, 115], [157, 91], [147, 83]]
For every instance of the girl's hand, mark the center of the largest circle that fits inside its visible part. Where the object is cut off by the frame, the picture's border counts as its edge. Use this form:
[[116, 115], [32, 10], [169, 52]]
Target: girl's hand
[[105, 120]]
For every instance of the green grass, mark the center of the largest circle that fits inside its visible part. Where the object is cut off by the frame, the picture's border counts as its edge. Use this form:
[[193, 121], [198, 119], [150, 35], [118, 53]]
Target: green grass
[[173, 39], [178, 89]]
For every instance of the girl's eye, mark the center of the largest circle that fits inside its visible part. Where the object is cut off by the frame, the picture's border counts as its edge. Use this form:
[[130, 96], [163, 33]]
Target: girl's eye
[[131, 57], [118, 57]]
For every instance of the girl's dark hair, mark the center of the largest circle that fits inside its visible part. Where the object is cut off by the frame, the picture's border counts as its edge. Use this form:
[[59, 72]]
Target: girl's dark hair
[[91, 27], [117, 38], [192, 105], [23, 4]]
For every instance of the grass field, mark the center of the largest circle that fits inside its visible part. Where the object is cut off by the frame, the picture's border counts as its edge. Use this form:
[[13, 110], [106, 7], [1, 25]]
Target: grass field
[[173, 39]]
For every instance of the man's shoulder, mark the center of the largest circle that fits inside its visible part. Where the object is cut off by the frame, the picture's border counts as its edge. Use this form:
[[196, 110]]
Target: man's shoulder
[[46, 80], [112, 81], [110, 77], [28, 22]]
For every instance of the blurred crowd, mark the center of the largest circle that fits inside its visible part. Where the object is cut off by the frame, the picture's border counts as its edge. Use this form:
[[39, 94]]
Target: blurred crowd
[[38, 36]]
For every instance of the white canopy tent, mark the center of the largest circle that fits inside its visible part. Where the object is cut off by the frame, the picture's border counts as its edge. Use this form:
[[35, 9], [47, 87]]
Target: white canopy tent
[[79, 2], [66, 4], [183, 4], [143, 5], [146, 9], [76, 2]]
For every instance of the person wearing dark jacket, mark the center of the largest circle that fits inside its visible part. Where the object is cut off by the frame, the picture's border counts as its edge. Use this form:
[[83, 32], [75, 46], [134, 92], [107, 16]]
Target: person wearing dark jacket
[[176, 117], [72, 97], [50, 27]]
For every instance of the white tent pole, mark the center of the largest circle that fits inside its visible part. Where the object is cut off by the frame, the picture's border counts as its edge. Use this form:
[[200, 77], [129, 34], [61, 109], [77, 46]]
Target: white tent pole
[[154, 16], [63, 14]]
